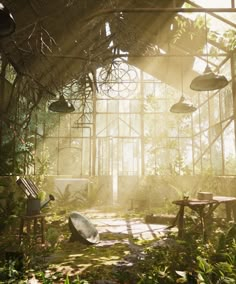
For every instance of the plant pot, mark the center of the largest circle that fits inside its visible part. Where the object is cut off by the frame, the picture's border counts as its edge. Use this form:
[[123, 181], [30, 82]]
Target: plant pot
[[205, 195]]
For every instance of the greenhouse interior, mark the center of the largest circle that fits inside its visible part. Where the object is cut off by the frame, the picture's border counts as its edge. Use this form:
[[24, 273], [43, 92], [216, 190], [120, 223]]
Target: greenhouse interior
[[117, 141]]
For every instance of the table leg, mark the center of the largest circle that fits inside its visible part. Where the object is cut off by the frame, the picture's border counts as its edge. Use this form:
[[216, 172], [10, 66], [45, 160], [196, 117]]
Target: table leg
[[228, 208], [181, 221], [234, 210], [43, 230], [203, 221], [21, 229]]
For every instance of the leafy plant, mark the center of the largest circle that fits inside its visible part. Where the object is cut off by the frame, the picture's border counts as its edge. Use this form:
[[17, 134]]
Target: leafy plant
[[52, 236], [11, 203], [70, 199]]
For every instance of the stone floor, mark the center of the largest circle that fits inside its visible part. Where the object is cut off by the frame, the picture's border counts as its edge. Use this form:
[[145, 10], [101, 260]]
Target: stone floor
[[134, 227]]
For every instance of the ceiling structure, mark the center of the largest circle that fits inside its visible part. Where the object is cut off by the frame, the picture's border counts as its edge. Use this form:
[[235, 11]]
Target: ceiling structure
[[58, 45], [60, 40]]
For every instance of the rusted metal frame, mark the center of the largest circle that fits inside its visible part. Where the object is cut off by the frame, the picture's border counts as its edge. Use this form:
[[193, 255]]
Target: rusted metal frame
[[98, 151], [225, 60], [94, 145], [140, 10], [158, 10], [233, 73], [106, 125], [226, 119], [217, 67], [35, 142], [195, 137], [142, 126], [217, 17], [215, 93], [199, 115], [213, 141], [222, 140], [214, 15], [116, 56], [209, 135], [128, 124], [226, 55], [58, 144], [192, 138], [110, 164]]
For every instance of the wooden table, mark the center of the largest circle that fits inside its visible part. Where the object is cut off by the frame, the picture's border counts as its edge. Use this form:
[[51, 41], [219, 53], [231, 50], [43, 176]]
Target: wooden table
[[204, 209]]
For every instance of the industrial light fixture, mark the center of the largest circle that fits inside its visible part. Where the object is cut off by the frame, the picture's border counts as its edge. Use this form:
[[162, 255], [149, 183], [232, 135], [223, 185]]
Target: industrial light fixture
[[208, 81], [7, 22], [183, 105], [61, 105]]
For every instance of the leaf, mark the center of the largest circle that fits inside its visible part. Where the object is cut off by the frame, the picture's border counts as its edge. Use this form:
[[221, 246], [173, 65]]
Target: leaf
[[204, 265], [181, 273], [67, 281]]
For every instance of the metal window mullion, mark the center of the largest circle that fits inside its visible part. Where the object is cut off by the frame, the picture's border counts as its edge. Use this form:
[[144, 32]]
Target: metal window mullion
[[193, 167], [221, 138], [58, 145], [200, 130], [143, 169], [233, 74], [94, 139], [210, 128]]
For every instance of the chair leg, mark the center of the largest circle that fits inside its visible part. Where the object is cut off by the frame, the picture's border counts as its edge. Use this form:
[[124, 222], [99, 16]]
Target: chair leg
[[21, 229], [43, 230], [31, 224]]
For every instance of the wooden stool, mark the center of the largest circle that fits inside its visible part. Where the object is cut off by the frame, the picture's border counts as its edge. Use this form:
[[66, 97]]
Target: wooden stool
[[31, 224]]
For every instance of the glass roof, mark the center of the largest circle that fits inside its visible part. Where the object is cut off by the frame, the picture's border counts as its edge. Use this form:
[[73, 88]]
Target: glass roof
[[220, 28], [213, 4]]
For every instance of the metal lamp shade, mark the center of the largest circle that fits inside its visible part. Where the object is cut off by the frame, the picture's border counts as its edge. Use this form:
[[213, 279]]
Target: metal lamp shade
[[208, 81], [82, 229], [7, 23], [183, 106], [61, 106]]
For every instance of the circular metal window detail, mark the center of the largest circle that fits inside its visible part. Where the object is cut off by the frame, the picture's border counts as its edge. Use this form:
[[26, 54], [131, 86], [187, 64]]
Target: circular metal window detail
[[119, 79]]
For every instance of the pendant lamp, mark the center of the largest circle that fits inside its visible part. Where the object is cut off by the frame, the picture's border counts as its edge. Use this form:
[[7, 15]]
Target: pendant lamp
[[208, 81], [7, 22], [61, 106], [183, 105]]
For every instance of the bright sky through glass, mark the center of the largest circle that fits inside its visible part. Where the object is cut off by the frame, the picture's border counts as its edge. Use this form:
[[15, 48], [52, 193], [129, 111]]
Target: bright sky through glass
[[217, 26]]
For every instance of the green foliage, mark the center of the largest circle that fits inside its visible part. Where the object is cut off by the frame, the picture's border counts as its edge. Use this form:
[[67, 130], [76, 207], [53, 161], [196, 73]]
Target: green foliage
[[11, 203], [230, 35], [77, 280], [180, 168], [70, 199], [187, 27], [52, 236], [43, 165]]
